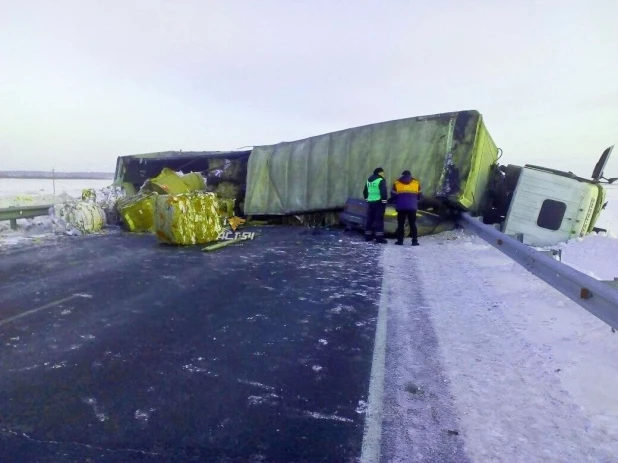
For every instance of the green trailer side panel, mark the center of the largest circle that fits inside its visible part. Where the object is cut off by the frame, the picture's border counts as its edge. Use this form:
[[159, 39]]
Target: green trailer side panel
[[449, 153]]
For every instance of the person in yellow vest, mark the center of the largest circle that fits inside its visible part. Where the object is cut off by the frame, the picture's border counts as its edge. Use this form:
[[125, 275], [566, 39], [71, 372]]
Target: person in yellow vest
[[376, 194], [406, 194]]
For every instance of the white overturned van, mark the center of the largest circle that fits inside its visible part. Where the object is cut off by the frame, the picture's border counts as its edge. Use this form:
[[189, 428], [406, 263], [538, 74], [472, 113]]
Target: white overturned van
[[543, 207]]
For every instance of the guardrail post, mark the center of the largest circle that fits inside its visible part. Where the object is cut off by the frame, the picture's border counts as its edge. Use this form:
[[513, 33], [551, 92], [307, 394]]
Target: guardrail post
[[13, 224]]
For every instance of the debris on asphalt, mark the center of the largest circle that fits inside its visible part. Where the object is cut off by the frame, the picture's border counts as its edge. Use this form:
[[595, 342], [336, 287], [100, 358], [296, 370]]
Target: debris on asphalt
[[222, 244]]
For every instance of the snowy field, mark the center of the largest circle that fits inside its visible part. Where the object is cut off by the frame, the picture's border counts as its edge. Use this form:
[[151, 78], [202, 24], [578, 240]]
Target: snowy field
[[22, 192], [33, 192]]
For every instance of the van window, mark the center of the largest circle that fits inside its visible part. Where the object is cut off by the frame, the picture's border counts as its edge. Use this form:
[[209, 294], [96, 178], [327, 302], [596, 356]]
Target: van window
[[551, 215]]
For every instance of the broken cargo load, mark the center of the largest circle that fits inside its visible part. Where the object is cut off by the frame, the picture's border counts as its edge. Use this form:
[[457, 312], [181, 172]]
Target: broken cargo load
[[137, 212], [223, 172]]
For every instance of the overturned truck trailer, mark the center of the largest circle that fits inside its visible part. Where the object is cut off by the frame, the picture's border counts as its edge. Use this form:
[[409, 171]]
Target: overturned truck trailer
[[314, 179], [452, 154]]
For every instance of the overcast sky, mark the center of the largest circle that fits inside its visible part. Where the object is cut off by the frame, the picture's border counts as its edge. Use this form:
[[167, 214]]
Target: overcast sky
[[82, 82]]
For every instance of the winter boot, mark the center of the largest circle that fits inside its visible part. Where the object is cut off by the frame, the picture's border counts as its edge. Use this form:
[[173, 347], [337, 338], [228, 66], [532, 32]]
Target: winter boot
[[368, 238], [414, 242], [381, 240], [399, 243]]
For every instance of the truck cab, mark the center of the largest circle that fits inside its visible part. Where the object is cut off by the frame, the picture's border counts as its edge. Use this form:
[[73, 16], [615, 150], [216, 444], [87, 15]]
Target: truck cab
[[544, 206]]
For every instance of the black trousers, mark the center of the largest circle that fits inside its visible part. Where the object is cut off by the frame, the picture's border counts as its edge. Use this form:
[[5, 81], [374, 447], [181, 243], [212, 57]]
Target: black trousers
[[401, 222], [375, 219]]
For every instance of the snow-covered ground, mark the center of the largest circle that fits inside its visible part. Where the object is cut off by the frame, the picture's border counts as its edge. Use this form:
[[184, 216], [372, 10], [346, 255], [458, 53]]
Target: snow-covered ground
[[532, 376], [597, 254], [33, 192]]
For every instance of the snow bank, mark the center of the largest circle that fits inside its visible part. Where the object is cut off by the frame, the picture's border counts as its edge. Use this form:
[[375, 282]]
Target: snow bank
[[532, 375], [32, 192], [27, 229], [594, 255]]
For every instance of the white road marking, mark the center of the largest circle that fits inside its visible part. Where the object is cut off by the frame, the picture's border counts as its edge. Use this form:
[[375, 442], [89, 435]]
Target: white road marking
[[373, 421], [43, 307]]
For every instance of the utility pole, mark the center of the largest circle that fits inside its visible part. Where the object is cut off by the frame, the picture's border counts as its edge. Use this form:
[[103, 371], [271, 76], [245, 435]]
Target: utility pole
[[54, 180]]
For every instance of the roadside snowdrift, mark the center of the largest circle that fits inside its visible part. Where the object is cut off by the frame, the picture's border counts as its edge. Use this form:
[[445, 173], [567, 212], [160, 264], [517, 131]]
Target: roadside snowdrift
[[531, 374]]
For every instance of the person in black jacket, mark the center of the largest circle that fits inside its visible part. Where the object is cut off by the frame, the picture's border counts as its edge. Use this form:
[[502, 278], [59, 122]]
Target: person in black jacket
[[376, 194]]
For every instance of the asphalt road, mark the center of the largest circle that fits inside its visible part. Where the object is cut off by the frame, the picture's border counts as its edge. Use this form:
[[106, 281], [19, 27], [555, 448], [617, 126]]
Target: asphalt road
[[117, 349]]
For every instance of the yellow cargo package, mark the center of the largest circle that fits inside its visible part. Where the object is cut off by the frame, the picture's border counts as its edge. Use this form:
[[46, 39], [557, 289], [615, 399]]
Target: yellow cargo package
[[167, 182], [186, 219], [194, 181], [137, 212], [78, 217]]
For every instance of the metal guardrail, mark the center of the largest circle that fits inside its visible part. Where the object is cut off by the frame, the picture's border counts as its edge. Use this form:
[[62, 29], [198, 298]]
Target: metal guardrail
[[23, 212], [597, 297]]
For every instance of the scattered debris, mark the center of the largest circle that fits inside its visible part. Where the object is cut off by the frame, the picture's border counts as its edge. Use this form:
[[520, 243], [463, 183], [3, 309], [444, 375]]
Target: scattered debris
[[222, 244]]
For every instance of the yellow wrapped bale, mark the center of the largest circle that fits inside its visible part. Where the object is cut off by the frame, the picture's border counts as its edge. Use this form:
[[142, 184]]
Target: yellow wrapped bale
[[137, 212], [194, 181], [187, 219], [77, 218], [167, 182]]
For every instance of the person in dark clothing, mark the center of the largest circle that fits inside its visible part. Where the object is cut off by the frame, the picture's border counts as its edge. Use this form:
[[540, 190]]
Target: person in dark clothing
[[406, 194], [376, 194]]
